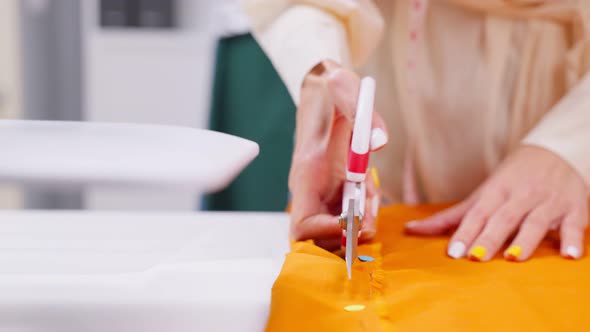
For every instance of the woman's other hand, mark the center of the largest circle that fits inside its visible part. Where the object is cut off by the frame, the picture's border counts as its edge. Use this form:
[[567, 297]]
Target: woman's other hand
[[533, 191]]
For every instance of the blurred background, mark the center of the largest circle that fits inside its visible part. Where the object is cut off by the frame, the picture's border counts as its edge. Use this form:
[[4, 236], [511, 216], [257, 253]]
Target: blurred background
[[180, 62]]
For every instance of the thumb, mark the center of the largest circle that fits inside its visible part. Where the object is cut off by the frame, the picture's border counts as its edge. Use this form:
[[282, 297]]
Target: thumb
[[343, 86]]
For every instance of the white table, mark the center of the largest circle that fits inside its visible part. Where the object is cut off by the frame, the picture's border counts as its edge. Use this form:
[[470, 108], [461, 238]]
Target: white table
[[121, 271]]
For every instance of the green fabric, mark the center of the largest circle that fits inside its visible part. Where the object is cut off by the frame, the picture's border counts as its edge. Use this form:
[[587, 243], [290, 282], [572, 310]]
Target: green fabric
[[250, 101]]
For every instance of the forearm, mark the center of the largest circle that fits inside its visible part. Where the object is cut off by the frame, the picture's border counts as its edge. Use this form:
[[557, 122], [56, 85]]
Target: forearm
[[298, 35], [565, 130]]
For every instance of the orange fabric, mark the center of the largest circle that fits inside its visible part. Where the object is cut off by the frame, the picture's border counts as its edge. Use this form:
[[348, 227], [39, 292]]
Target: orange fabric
[[413, 286]]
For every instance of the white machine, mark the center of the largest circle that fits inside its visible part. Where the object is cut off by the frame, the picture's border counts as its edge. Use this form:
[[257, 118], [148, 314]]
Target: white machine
[[127, 271]]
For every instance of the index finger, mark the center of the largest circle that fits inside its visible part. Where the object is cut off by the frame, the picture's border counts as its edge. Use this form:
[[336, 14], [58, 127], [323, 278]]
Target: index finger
[[319, 226], [343, 86]]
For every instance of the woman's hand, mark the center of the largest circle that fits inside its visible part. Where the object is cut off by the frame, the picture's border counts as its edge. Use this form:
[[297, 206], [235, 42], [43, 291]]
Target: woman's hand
[[533, 191], [322, 137]]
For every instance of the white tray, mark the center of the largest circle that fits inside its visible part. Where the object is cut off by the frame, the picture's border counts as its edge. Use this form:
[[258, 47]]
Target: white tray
[[107, 154], [106, 271]]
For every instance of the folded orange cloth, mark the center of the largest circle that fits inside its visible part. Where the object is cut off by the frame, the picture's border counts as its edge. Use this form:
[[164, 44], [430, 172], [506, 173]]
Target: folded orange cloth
[[413, 286]]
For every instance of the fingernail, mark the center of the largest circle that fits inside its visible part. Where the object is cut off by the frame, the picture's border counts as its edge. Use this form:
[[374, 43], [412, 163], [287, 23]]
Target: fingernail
[[572, 252], [513, 253], [412, 224], [477, 253], [378, 138], [456, 250], [375, 177]]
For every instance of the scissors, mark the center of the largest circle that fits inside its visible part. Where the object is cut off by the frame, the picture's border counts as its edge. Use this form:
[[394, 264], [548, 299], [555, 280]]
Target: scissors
[[355, 191]]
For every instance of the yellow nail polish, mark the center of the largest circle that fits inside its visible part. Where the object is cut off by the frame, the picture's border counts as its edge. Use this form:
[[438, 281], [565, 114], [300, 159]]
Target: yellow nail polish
[[513, 253], [354, 307], [375, 177], [477, 253]]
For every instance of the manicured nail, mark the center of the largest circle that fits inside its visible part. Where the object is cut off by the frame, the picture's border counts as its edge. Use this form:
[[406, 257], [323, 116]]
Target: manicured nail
[[477, 253], [572, 252], [378, 138], [412, 224], [456, 250], [375, 177], [513, 253]]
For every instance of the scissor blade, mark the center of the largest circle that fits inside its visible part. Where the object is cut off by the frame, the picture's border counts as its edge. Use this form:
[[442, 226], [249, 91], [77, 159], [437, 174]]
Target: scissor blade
[[352, 229]]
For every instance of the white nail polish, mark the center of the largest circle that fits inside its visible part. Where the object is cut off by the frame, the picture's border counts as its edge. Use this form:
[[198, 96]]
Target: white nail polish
[[378, 138], [456, 250], [572, 252], [412, 223]]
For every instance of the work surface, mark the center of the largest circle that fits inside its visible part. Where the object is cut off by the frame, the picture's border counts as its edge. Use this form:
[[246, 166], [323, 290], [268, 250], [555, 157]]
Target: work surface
[[412, 286], [113, 271]]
